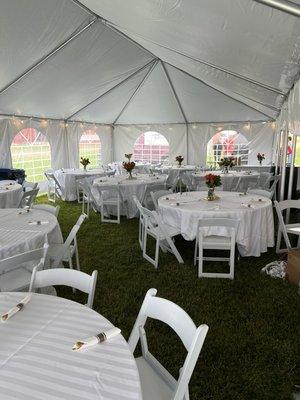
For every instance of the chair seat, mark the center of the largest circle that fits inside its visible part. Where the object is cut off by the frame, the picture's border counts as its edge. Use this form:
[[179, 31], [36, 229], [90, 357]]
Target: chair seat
[[112, 201], [293, 228], [54, 250], [216, 242], [153, 387], [169, 229]]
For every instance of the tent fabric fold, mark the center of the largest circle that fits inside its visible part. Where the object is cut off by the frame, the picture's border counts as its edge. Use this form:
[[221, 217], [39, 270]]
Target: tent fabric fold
[[92, 61]]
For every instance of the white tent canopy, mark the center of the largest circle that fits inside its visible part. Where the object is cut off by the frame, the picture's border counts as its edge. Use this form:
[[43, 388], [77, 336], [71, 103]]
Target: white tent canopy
[[195, 65]]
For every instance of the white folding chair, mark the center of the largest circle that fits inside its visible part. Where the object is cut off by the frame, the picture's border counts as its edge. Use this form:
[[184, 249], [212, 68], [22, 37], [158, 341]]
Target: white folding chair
[[88, 198], [261, 192], [157, 194], [54, 189], [58, 253], [264, 177], [110, 196], [162, 233], [48, 208], [28, 198], [66, 277], [156, 381], [214, 242], [29, 185], [272, 184], [147, 199], [286, 229], [244, 182], [186, 179], [15, 271]]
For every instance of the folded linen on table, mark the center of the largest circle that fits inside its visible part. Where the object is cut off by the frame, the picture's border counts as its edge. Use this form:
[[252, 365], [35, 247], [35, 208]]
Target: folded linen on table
[[16, 308], [93, 340]]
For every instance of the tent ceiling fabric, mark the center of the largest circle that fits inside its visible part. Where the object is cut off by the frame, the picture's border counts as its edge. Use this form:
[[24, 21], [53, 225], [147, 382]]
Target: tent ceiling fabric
[[227, 60]]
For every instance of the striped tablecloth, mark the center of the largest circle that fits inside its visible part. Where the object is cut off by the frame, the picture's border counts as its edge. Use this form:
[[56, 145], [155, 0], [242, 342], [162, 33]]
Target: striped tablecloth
[[37, 361], [18, 233], [10, 194]]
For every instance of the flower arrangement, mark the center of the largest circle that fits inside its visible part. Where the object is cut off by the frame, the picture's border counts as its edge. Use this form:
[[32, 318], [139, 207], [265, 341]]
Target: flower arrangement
[[179, 159], [129, 165], [85, 162], [227, 162], [212, 181], [260, 157]]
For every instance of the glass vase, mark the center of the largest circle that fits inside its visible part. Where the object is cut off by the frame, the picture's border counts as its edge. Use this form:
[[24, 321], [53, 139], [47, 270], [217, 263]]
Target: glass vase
[[211, 194]]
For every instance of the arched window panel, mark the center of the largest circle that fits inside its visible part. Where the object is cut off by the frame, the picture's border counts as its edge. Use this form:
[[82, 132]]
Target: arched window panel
[[151, 147], [30, 150], [227, 143], [90, 147]]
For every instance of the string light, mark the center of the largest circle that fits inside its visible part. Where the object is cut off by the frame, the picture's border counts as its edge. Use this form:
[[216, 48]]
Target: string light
[[220, 128], [247, 126], [194, 126], [273, 125]]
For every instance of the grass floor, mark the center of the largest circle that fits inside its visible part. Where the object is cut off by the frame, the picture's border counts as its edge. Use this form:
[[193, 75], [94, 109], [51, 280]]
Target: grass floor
[[250, 352]]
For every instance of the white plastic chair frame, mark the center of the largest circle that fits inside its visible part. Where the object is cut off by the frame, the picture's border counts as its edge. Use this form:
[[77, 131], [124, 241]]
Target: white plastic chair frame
[[151, 187], [54, 188], [66, 277], [65, 252], [200, 245], [48, 208], [156, 195], [152, 226], [29, 185], [28, 198], [88, 198], [285, 229], [191, 336], [17, 262], [117, 201]]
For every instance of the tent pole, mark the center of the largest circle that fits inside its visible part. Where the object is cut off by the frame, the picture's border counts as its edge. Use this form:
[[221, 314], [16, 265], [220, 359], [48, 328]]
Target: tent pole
[[283, 163], [282, 5], [291, 177], [219, 91], [108, 91], [277, 151], [136, 90], [174, 92], [47, 56], [112, 155]]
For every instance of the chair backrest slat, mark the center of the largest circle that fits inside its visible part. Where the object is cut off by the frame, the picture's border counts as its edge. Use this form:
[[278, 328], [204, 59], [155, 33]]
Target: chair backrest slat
[[66, 277]]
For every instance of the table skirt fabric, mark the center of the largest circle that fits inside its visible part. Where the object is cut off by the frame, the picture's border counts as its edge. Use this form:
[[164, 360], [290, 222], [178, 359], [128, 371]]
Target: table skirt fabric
[[256, 228]]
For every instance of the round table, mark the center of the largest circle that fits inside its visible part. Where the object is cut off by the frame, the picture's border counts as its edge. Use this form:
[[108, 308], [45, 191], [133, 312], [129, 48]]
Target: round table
[[20, 232], [67, 180], [37, 360], [128, 188], [256, 229], [10, 194], [230, 180]]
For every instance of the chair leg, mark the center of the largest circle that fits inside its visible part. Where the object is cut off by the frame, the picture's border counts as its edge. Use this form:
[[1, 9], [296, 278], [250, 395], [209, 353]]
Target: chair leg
[[231, 264], [156, 253], [200, 261], [77, 258], [278, 241], [174, 250], [196, 251]]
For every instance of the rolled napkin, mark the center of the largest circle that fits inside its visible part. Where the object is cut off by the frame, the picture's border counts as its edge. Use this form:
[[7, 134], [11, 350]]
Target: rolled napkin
[[16, 308], [91, 341]]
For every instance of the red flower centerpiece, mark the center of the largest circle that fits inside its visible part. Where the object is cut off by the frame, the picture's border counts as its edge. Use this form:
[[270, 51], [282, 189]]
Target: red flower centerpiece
[[179, 159], [260, 157], [212, 181], [129, 165]]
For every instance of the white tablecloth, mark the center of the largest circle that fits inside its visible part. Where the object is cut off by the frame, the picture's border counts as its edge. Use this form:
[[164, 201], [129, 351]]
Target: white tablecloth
[[10, 194], [67, 179], [17, 235], [128, 188], [37, 361], [256, 229], [230, 180], [174, 171]]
